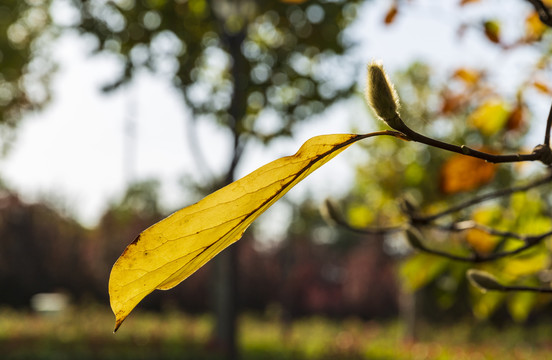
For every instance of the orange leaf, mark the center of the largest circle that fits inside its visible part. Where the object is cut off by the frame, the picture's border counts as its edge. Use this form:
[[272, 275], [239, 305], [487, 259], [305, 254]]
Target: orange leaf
[[452, 102], [517, 118], [542, 87], [391, 14], [469, 76], [464, 173], [480, 241], [466, 2]]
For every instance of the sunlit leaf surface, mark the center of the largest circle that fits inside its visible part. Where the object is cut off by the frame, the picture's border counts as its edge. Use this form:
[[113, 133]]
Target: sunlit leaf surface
[[490, 117], [463, 173], [171, 250]]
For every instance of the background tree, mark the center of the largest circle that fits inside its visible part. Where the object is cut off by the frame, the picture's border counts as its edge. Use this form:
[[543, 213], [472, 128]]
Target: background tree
[[235, 63], [25, 68]]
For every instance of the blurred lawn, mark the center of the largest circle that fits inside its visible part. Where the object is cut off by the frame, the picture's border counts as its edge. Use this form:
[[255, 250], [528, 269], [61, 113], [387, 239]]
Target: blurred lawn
[[85, 333]]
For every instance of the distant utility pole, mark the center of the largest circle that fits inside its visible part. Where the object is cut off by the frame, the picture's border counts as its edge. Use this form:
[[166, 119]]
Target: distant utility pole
[[130, 142]]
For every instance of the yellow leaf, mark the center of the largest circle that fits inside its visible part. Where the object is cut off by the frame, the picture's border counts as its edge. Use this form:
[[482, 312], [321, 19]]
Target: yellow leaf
[[519, 267], [490, 117], [420, 270], [534, 28], [168, 252], [520, 305]]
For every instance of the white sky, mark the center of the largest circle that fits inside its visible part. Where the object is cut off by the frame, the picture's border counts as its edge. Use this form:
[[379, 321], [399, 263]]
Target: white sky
[[74, 149]]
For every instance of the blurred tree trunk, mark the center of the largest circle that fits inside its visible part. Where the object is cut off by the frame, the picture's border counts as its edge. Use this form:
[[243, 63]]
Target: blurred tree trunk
[[225, 286], [409, 304], [225, 302]]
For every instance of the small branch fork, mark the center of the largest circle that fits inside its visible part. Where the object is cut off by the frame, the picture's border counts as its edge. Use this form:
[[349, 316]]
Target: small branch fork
[[417, 221]]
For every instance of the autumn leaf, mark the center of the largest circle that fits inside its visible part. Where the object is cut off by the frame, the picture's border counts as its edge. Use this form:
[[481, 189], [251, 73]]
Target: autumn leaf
[[483, 242], [542, 87], [464, 173], [490, 117], [468, 76], [465, 2], [517, 119], [492, 30], [534, 28], [391, 14], [168, 252]]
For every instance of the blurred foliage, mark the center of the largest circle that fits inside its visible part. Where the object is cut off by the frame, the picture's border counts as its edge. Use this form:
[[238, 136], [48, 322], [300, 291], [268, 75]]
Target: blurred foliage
[[80, 333], [464, 108], [233, 61], [33, 237], [307, 274], [25, 63]]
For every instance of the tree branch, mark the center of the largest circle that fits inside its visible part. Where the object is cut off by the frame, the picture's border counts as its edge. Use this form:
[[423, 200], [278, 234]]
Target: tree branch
[[470, 225], [544, 12], [537, 154], [548, 126], [416, 242], [479, 199]]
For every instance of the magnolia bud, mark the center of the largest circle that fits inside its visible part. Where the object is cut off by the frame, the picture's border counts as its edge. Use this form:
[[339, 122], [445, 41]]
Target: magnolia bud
[[382, 97], [483, 280]]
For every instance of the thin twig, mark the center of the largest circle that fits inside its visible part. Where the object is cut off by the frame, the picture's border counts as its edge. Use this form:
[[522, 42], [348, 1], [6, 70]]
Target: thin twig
[[530, 242], [548, 126], [482, 198], [425, 220], [470, 224], [333, 214], [525, 288], [369, 231]]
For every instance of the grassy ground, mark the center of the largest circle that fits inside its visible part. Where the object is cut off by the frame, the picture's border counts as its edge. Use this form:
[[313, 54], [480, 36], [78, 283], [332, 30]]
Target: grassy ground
[[86, 334]]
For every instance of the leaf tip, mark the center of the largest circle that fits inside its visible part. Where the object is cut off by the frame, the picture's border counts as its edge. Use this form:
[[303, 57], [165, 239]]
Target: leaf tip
[[118, 322]]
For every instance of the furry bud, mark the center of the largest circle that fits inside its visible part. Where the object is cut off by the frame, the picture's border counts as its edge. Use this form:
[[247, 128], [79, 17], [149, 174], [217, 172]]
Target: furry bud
[[483, 280], [382, 97]]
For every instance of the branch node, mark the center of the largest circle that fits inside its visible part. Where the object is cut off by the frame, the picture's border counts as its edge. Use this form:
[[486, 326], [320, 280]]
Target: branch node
[[544, 154]]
